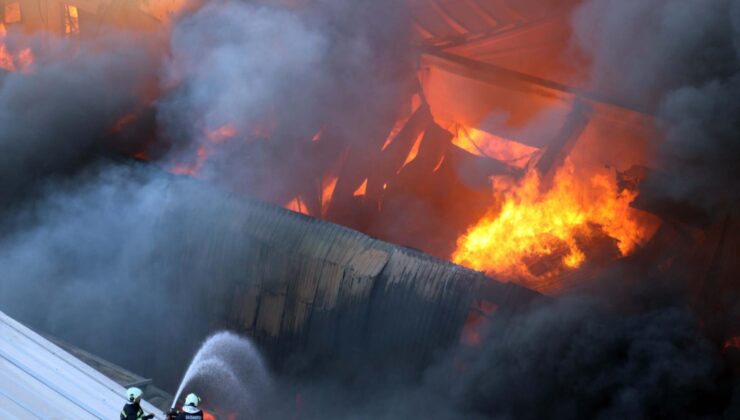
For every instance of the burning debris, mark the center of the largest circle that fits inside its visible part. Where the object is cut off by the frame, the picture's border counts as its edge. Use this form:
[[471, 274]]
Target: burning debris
[[564, 222]]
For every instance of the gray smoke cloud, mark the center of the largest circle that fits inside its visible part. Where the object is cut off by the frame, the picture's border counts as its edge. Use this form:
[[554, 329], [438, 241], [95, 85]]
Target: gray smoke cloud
[[106, 255], [327, 66], [77, 259], [116, 260], [56, 115], [681, 61]]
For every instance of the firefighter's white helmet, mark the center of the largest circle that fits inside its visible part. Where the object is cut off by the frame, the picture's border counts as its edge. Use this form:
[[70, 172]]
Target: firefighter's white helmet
[[133, 394], [192, 399]]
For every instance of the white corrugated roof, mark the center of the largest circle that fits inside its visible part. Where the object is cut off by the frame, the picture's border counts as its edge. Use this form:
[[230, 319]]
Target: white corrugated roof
[[40, 380]]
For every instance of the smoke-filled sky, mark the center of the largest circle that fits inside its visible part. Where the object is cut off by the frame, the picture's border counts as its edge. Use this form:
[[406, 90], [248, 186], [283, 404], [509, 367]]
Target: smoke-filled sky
[[106, 248], [680, 60], [334, 67], [100, 253]]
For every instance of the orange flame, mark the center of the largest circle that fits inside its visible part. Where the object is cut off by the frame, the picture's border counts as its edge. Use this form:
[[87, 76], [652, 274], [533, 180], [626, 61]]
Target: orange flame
[[327, 192], [163, 10], [9, 61], [221, 134], [297, 205], [361, 190], [21, 61], [439, 164], [191, 169], [6, 60], [414, 152], [24, 59], [530, 224], [72, 20], [481, 143], [397, 127], [218, 136]]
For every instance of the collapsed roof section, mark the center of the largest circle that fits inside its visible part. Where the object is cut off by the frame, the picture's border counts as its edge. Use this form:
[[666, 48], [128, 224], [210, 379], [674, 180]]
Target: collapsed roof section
[[525, 36]]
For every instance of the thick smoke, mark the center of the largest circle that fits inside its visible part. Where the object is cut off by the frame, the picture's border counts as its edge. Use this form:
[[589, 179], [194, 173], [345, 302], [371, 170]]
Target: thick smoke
[[113, 258], [78, 254], [57, 114], [681, 61], [321, 66], [572, 359], [563, 359], [118, 260]]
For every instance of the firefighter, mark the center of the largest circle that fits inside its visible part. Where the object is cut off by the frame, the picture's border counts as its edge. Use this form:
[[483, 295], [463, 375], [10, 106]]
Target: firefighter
[[190, 410], [132, 410]]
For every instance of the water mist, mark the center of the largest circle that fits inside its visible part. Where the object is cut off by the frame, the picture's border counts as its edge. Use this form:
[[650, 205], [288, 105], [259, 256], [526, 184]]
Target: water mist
[[229, 374]]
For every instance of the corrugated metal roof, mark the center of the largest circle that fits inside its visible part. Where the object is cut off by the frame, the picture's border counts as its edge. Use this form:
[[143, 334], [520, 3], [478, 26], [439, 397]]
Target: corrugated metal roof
[[40, 380], [527, 36]]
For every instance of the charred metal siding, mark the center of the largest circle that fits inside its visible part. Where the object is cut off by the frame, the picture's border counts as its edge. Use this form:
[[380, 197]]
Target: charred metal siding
[[320, 290]]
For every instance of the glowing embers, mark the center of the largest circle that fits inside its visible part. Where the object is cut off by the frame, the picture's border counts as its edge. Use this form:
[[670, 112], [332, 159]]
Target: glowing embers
[[481, 143], [534, 234]]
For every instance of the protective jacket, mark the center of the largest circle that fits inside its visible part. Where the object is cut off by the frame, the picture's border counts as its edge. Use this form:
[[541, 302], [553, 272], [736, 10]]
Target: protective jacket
[[190, 413], [133, 411]]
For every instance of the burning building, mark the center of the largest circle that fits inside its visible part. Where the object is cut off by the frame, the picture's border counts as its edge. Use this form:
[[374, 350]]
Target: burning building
[[487, 128], [440, 166], [85, 18]]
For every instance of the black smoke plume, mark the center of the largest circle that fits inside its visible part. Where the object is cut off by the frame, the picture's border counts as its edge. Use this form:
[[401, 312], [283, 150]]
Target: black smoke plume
[[681, 61]]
